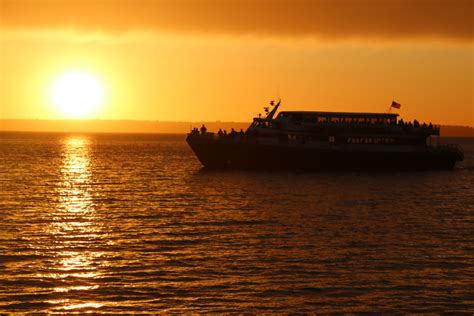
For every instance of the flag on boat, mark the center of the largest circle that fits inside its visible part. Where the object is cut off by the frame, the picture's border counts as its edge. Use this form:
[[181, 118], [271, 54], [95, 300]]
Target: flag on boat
[[396, 105]]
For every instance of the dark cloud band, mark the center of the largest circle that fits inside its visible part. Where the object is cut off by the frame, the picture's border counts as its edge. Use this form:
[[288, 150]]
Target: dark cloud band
[[450, 19]]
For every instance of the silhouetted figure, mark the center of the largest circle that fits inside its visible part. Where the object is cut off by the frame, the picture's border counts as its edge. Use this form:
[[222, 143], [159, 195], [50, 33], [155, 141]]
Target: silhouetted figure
[[195, 131], [203, 129], [416, 123], [220, 133], [430, 126], [241, 133]]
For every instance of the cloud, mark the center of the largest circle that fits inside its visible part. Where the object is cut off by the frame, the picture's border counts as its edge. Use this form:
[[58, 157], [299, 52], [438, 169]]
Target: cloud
[[327, 19]]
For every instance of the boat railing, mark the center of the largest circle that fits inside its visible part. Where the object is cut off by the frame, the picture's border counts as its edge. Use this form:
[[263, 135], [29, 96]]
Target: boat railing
[[209, 135], [428, 129], [216, 136]]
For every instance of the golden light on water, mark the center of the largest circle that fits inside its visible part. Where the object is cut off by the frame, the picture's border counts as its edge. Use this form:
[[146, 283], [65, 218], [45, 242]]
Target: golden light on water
[[75, 226]]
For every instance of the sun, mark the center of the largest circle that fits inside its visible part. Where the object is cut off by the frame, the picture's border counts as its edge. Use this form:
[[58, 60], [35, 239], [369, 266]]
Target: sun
[[77, 94]]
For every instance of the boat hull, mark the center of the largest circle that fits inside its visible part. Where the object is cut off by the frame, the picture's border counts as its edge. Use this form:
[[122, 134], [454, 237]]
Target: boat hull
[[244, 154]]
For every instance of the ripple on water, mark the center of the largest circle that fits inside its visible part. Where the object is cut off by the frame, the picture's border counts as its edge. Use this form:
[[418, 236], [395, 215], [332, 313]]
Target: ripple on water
[[129, 223]]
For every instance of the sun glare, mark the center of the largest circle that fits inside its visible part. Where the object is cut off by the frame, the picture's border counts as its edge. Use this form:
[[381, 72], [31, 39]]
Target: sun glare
[[77, 94]]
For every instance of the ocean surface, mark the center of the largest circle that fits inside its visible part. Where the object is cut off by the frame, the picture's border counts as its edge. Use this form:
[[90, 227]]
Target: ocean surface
[[121, 223]]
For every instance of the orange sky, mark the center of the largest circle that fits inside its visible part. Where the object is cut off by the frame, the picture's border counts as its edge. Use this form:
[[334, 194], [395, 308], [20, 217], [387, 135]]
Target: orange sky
[[223, 60]]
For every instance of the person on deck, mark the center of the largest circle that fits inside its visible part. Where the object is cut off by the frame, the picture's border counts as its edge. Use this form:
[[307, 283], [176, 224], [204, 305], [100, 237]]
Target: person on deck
[[203, 129]]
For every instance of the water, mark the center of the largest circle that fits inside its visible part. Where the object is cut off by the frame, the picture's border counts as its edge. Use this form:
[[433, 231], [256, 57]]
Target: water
[[130, 223]]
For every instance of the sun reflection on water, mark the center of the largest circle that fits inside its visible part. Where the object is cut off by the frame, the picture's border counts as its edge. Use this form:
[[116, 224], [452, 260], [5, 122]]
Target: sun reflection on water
[[75, 228]]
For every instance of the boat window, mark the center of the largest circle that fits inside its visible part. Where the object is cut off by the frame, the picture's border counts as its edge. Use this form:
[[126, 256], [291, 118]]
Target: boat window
[[297, 117], [308, 118], [322, 119]]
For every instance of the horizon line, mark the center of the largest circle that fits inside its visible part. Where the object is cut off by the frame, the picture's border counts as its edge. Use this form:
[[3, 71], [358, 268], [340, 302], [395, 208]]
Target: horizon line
[[162, 121]]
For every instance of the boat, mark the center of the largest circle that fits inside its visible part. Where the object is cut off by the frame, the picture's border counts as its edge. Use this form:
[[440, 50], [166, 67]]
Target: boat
[[315, 140]]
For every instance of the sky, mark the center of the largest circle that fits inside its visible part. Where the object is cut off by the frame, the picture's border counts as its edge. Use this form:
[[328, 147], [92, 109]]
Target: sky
[[224, 60]]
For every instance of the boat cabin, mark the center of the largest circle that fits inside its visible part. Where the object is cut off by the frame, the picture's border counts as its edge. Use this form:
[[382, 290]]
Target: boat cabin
[[345, 127], [338, 117]]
